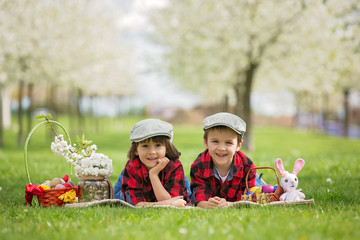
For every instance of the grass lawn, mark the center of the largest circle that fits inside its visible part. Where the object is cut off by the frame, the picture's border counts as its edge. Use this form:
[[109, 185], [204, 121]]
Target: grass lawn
[[331, 176]]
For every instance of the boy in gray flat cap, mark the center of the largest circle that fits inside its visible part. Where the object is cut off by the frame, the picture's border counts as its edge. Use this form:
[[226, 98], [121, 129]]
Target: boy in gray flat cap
[[153, 174], [218, 173]]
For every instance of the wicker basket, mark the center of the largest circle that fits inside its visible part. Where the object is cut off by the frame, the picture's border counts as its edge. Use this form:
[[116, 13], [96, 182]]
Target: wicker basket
[[48, 197], [263, 197]]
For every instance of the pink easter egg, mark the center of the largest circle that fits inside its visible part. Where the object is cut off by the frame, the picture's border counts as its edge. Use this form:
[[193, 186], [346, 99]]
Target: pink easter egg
[[59, 186], [267, 189]]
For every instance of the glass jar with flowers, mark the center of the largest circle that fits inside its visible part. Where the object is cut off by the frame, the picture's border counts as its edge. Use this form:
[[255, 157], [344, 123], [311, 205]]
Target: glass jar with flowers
[[91, 168]]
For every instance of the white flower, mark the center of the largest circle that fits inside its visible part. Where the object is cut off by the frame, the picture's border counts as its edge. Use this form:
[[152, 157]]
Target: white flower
[[88, 162], [328, 180]]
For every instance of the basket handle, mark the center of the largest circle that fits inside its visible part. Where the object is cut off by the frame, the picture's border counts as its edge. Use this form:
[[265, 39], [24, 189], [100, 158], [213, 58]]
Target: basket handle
[[247, 175], [28, 139]]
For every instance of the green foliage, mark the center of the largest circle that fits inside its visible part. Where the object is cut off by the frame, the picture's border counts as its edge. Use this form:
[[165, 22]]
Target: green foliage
[[330, 176]]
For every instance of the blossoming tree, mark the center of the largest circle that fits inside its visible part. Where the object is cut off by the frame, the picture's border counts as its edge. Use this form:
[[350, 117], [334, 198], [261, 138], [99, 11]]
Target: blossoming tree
[[56, 44]]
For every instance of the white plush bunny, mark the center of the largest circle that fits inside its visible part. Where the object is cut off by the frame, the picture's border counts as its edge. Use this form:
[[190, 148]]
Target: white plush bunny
[[289, 181]]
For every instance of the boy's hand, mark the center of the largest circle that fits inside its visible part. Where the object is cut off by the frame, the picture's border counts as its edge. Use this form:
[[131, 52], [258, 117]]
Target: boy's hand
[[178, 202], [216, 202], [222, 202], [160, 166]]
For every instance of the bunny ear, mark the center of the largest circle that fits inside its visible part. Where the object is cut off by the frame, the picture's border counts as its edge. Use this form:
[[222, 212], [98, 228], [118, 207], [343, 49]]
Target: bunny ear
[[299, 164], [279, 166]]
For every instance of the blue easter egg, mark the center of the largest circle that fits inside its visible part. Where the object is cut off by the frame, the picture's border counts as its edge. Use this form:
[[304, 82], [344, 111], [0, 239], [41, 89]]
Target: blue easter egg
[[249, 193], [275, 187]]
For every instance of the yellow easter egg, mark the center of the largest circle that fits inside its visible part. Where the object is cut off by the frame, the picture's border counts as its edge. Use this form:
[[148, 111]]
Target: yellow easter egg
[[45, 187], [253, 189], [258, 191]]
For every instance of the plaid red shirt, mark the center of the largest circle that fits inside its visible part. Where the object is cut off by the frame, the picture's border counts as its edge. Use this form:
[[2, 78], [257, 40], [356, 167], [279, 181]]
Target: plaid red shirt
[[206, 182], [136, 185]]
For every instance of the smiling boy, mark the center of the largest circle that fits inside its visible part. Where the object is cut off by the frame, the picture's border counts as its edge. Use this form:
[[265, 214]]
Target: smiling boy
[[218, 173]]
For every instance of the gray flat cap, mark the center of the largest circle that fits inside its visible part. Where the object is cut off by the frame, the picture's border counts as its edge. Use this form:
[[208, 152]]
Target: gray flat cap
[[225, 119], [150, 128]]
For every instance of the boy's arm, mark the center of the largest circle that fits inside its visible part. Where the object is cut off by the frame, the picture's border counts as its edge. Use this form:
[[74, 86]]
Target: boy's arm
[[160, 192], [175, 202], [199, 187], [174, 179], [131, 188]]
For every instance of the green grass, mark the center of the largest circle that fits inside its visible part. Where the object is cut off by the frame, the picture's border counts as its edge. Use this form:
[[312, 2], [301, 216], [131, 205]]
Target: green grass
[[335, 214]]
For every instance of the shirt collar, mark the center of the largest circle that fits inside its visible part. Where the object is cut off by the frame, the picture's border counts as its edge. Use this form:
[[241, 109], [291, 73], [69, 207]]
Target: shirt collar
[[229, 176], [212, 171]]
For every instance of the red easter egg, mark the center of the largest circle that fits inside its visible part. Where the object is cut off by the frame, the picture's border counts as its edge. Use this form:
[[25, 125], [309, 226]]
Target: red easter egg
[[67, 185]]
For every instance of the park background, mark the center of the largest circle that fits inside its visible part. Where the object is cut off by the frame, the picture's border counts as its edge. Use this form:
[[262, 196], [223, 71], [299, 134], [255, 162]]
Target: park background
[[290, 69]]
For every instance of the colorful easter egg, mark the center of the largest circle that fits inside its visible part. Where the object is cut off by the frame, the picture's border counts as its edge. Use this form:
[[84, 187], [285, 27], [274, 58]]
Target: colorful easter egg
[[47, 183], [258, 191], [72, 184], [275, 187], [59, 186], [54, 182], [249, 193], [267, 188], [253, 189], [44, 187], [67, 185]]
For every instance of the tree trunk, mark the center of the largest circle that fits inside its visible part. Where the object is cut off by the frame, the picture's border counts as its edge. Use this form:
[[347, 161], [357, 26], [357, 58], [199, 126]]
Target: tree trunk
[[71, 109], [346, 122], [31, 106], [239, 89], [248, 141], [243, 107], [52, 99], [81, 125], [93, 115], [325, 111], [20, 113], [226, 107], [297, 112]]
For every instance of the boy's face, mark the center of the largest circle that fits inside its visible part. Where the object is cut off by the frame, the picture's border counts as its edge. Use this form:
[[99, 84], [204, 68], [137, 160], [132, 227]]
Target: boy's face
[[149, 152], [222, 145]]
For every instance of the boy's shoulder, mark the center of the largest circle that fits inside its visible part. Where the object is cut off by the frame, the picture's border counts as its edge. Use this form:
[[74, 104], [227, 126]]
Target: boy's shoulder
[[201, 157], [135, 163], [203, 161], [241, 154], [241, 159], [173, 164]]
